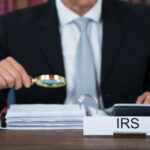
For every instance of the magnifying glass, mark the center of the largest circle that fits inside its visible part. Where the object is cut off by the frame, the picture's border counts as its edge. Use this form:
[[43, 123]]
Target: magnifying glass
[[50, 81]]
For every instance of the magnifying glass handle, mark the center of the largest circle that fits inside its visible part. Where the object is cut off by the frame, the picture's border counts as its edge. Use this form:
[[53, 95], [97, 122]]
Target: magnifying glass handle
[[34, 81]]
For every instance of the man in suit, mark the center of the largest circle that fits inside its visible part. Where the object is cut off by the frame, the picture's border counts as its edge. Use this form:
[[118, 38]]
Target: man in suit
[[44, 40]]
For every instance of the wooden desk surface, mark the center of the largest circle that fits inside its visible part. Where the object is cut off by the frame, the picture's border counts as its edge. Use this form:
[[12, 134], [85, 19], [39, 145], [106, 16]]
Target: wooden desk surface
[[66, 140]]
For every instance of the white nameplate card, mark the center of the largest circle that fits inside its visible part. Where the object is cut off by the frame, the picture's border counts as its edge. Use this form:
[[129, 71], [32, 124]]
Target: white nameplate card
[[97, 125]]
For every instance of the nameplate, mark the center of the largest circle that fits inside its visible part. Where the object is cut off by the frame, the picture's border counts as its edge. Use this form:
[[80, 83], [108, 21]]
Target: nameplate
[[97, 125]]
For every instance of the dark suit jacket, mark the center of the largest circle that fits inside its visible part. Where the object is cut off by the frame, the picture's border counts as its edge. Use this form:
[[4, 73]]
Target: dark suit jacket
[[31, 36]]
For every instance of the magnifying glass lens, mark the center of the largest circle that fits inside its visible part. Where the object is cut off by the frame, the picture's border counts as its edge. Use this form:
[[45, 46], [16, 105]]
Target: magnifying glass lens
[[50, 82]]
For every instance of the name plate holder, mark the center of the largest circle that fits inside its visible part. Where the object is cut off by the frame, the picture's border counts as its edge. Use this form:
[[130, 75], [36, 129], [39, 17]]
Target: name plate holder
[[129, 135], [122, 126]]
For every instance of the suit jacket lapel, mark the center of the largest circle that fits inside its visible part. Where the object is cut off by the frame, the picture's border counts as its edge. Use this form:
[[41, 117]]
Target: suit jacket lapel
[[112, 36], [47, 33]]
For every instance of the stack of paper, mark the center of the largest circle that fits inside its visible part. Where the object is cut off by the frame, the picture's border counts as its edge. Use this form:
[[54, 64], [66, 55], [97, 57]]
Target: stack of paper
[[45, 117]]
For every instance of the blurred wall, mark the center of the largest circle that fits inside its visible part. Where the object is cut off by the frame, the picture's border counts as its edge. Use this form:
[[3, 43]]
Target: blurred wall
[[11, 5]]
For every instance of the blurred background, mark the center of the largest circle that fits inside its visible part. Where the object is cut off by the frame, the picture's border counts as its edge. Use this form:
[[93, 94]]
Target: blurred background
[[11, 5]]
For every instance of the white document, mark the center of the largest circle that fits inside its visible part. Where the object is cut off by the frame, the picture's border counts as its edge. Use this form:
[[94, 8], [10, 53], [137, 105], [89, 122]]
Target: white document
[[45, 117]]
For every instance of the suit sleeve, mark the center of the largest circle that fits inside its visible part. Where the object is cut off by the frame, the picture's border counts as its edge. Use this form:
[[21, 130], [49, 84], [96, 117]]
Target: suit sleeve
[[147, 80], [148, 75], [148, 68], [3, 54]]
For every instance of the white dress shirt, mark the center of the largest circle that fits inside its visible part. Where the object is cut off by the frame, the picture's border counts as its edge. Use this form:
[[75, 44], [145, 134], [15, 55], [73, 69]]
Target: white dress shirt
[[70, 35]]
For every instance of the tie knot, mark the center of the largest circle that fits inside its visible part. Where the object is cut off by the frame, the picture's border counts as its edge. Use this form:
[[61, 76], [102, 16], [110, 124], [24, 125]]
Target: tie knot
[[82, 23]]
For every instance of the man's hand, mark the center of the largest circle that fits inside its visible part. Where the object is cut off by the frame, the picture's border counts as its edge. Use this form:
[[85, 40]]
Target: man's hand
[[144, 98], [12, 74]]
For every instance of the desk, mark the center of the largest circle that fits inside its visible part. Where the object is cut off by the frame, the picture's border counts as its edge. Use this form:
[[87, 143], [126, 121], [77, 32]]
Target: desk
[[66, 140]]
